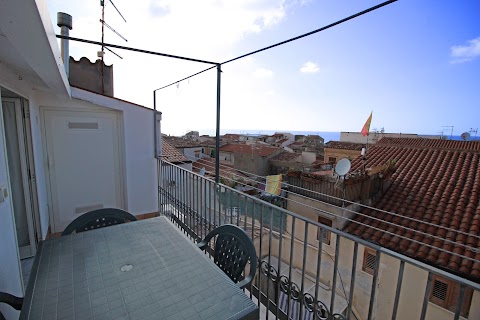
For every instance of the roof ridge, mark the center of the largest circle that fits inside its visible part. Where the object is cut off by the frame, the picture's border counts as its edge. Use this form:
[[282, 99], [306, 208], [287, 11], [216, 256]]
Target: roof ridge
[[404, 146]]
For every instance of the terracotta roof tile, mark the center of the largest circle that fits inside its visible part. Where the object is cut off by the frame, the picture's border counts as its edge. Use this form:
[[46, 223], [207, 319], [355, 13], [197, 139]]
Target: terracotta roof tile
[[231, 137], [344, 145], [261, 150], [286, 157], [226, 168], [171, 154], [437, 182], [178, 142]]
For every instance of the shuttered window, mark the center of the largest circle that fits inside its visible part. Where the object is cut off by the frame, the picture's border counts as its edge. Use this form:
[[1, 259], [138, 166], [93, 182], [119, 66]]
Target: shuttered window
[[445, 293], [369, 256]]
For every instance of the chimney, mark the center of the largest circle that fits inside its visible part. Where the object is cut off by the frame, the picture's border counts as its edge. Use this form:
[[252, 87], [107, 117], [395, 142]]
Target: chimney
[[64, 21]]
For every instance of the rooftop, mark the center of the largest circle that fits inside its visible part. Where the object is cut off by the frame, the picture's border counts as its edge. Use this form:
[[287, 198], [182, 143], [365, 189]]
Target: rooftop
[[285, 157], [436, 186], [345, 145], [226, 168], [231, 137], [178, 142], [261, 150], [171, 154]]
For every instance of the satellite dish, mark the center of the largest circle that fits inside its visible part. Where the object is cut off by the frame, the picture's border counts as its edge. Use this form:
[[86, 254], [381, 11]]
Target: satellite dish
[[343, 167], [202, 171], [465, 136]]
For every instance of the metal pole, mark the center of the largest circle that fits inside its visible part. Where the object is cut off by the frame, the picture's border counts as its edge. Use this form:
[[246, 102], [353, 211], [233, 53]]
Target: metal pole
[[217, 139], [155, 124], [103, 46]]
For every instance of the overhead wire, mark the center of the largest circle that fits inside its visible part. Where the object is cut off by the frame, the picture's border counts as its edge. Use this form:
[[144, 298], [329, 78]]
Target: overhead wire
[[286, 41], [354, 212], [394, 234], [351, 202], [312, 32], [455, 244]]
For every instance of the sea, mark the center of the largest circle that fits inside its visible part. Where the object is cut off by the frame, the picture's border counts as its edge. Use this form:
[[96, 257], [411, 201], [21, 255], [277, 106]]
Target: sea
[[326, 135]]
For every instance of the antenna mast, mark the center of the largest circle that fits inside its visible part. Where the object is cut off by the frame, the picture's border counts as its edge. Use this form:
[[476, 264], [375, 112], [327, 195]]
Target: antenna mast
[[101, 53], [451, 132], [474, 130]]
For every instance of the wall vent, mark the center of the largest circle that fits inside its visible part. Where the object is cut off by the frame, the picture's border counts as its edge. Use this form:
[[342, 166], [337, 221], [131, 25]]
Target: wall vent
[[83, 125]]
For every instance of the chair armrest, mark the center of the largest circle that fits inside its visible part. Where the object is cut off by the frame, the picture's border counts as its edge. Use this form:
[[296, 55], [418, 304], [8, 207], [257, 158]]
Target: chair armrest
[[245, 282], [202, 245]]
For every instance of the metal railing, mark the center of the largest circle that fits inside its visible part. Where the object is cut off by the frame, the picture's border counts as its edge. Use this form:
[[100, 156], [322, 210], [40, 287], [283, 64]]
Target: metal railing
[[308, 270]]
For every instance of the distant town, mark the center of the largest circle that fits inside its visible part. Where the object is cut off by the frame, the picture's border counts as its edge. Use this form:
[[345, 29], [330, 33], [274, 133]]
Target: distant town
[[278, 153], [412, 194]]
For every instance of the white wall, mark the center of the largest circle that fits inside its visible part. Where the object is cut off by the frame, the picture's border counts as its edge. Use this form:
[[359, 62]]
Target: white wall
[[190, 153], [308, 157], [140, 164], [10, 275], [373, 137]]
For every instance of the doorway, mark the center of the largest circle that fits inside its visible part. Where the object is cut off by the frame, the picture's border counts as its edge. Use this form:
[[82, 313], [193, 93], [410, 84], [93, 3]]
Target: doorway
[[20, 168], [84, 162]]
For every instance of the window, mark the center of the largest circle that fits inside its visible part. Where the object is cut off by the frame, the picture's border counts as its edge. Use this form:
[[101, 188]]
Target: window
[[326, 233], [445, 293], [369, 256], [197, 154], [332, 159]]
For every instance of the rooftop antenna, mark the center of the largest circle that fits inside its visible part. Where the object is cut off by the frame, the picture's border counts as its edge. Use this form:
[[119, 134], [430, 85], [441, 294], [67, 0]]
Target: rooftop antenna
[[101, 53], [475, 131], [441, 134], [451, 132], [341, 169]]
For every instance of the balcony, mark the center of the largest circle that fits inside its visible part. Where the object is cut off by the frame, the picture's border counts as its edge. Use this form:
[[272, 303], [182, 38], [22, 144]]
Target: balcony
[[309, 268]]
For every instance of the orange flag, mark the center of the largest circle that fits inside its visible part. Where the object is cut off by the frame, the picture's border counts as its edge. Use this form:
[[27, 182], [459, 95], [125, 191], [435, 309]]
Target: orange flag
[[366, 126]]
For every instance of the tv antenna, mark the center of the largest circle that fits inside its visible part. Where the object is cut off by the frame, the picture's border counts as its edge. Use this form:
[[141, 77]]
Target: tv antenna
[[451, 132], [465, 136], [101, 53], [474, 131]]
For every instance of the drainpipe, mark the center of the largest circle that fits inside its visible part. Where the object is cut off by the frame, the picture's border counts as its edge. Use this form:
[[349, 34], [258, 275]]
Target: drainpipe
[[64, 21]]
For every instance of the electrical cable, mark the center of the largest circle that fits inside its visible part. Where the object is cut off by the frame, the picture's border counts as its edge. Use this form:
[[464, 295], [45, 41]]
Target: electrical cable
[[289, 40], [362, 205], [365, 206], [312, 32], [455, 244]]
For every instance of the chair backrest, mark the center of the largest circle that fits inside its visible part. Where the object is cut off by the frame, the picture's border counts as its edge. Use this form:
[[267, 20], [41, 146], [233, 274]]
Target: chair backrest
[[96, 219], [13, 301], [233, 249]]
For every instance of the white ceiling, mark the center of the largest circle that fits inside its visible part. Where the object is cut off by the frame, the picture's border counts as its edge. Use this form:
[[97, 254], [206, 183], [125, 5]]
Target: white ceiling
[[28, 46]]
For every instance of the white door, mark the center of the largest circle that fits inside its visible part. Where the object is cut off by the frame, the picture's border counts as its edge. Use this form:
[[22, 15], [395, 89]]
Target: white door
[[83, 162], [15, 128]]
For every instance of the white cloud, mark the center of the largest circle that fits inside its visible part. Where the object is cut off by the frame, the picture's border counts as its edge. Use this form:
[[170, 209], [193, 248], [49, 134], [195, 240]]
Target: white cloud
[[468, 52], [213, 30], [263, 73], [309, 67]]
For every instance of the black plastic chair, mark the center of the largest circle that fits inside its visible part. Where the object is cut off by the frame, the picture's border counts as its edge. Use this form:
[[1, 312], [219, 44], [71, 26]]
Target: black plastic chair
[[96, 219], [233, 249], [13, 301]]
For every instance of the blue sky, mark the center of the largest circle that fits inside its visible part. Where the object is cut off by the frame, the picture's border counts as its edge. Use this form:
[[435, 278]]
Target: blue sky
[[415, 64]]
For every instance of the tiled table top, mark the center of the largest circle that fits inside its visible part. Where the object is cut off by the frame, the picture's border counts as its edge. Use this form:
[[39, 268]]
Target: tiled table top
[[80, 277]]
